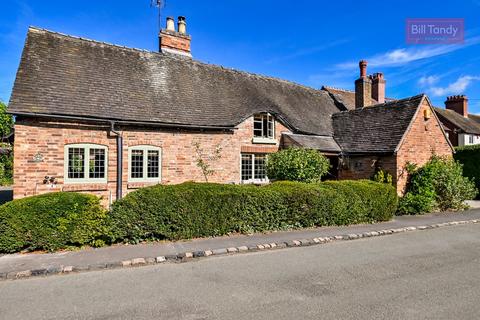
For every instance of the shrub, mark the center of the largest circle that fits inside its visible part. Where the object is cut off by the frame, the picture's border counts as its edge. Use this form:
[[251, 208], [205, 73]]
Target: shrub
[[383, 177], [52, 221], [439, 184], [469, 157], [297, 164], [193, 210]]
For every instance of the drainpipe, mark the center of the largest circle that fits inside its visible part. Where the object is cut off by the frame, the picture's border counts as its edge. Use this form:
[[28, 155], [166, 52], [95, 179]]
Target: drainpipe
[[119, 159]]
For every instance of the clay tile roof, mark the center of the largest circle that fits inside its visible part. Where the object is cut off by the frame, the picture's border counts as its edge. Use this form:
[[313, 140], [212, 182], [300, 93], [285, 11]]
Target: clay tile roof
[[65, 75], [467, 125], [375, 129]]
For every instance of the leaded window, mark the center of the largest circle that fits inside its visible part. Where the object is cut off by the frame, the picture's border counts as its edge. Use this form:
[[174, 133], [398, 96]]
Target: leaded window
[[253, 168], [144, 164], [85, 163]]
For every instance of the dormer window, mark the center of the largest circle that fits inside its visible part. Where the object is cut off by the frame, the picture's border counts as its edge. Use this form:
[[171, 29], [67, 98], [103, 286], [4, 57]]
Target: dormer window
[[263, 128]]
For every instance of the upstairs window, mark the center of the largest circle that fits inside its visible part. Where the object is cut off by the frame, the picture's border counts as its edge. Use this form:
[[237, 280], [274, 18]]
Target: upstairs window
[[470, 138], [144, 164], [85, 163], [263, 127]]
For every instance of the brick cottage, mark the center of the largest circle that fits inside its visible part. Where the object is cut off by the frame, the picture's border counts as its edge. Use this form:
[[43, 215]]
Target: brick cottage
[[105, 119]]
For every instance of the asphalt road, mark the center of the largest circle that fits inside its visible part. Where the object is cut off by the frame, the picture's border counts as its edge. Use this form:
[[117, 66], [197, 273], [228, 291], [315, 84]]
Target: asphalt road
[[431, 274]]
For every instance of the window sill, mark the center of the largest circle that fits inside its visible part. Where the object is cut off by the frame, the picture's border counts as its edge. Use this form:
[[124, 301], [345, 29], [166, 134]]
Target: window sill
[[264, 140], [138, 185], [85, 187], [259, 182]]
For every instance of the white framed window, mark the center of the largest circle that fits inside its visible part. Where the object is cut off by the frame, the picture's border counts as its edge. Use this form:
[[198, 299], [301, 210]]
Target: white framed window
[[470, 139], [86, 163], [144, 164], [253, 168], [263, 128]]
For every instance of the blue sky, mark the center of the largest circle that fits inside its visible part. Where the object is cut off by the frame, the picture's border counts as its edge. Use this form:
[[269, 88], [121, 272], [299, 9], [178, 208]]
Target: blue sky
[[308, 42]]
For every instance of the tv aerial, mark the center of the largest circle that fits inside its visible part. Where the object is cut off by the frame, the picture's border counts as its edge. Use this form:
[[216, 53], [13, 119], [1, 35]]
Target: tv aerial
[[159, 4]]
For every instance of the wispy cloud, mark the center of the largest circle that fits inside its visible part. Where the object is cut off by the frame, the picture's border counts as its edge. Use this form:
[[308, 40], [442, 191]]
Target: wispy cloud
[[428, 80], [307, 51], [457, 87], [403, 56]]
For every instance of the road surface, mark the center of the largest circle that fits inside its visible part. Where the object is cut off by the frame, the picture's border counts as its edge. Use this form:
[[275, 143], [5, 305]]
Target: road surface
[[431, 274]]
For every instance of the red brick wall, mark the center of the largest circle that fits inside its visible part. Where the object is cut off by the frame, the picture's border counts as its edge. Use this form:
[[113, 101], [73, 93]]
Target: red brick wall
[[178, 154], [363, 167], [424, 139]]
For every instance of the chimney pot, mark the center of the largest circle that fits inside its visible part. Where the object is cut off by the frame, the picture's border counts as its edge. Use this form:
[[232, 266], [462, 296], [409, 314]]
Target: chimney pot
[[170, 24], [182, 25], [457, 103], [363, 68]]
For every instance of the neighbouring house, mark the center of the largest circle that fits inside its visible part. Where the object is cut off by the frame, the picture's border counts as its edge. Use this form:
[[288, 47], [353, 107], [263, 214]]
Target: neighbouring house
[[106, 119], [463, 128]]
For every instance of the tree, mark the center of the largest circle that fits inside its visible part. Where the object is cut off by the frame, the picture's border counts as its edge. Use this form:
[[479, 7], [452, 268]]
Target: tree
[[6, 120], [204, 160]]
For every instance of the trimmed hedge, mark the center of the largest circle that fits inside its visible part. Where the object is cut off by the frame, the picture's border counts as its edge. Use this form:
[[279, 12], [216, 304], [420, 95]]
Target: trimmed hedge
[[192, 210], [52, 221], [469, 156]]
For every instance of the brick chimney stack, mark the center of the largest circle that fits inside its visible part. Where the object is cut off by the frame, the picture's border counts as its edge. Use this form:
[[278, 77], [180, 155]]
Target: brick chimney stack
[[175, 42], [363, 87], [378, 87], [459, 104]]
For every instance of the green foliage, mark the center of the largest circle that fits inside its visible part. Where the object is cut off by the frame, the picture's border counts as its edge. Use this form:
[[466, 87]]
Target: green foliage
[[439, 184], [6, 169], [6, 121], [383, 177], [52, 221], [204, 160], [297, 164], [469, 157], [192, 210]]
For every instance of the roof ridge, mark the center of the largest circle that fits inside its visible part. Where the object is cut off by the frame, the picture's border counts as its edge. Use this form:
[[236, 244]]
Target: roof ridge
[[378, 105], [339, 89], [261, 76]]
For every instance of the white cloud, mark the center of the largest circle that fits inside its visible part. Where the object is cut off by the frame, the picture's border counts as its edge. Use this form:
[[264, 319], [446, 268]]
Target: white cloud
[[456, 87], [402, 56], [428, 80]]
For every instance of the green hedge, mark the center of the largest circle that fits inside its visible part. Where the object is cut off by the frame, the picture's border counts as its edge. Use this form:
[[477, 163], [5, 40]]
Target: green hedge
[[469, 156], [192, 210], [51, 222]]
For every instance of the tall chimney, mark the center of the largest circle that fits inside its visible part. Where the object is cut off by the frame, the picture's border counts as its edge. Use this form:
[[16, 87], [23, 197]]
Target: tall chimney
[[175, 42], [378, 87], [363, 87], [459, 104]]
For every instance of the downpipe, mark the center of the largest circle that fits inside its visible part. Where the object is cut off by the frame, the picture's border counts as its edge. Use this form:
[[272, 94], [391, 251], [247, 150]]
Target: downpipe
[[119, 139]]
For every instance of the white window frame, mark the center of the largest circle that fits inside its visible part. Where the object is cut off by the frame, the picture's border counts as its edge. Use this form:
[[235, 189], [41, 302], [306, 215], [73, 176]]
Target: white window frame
[[253, 180], [269, 139], [86, 147], [471, 139], [145, 149]]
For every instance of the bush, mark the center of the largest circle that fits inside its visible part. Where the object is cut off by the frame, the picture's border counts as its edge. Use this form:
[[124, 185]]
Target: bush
[[469, 157], [192, 210], [52, 221], [439, 184], [297, 164]]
